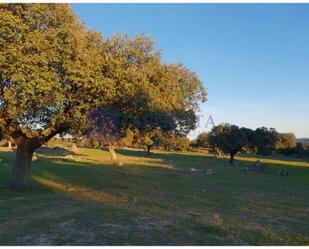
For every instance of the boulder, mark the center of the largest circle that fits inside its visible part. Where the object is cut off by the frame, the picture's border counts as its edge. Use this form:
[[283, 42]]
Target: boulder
[[68, 157], [73, 148], [209, 172], [283, 172], [34, 158]]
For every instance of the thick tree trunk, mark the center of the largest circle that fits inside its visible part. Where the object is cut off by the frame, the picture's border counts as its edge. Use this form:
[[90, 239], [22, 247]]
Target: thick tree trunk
[[27, 142], [113, 153], [21, 168], [148, 150], [232, 158]]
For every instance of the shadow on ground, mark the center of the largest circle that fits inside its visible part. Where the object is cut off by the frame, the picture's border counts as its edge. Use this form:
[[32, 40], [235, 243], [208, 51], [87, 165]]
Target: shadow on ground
[[144, 202]]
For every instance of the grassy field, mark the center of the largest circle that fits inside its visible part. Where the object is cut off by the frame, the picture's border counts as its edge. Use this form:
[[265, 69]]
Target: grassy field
[[162, 199]]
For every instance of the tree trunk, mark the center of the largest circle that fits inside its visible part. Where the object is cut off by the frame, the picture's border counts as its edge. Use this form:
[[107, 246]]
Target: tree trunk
[[232, 158], [148, 150], [113, 153], [26, 145], [21, 168]]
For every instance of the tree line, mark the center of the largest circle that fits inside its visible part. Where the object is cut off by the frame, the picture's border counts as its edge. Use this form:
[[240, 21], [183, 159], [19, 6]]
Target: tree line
[[231, 139], [222, 139]]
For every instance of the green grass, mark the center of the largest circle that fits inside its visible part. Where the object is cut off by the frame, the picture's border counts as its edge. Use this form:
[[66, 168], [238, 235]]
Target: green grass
[[155, 200]]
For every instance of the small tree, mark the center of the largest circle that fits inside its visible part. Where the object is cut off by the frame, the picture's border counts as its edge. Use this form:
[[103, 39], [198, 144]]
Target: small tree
[[229, 139], [300, 150], [181, 143], [265, 140], [202, 140], [286, 143]]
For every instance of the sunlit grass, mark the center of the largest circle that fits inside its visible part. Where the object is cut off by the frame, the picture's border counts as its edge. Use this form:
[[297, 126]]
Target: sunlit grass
[[155, 200], [273, 161]]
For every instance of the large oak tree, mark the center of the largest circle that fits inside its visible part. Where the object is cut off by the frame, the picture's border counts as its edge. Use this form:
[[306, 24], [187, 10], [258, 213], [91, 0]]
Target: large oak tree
[[49, 77], [53, 73]]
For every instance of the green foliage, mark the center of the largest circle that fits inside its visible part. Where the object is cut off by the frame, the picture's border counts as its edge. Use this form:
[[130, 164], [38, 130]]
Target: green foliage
[[59, 142], [180, 143], [286, 143], [53, 72], [265, 140], [172, 141], [150, 94], [128, 138], [202, 141], [300, 150], [229, 138], [50, 67]]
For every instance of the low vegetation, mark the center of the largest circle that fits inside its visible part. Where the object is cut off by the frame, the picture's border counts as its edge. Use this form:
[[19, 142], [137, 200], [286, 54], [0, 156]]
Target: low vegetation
[[168, 198]]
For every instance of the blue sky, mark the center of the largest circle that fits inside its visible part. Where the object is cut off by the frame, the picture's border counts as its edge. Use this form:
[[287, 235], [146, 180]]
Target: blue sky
[[252, 58]]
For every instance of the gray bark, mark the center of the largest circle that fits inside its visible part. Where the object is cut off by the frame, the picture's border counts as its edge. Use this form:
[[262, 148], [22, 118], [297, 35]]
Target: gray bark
[[22, 165], [113, 153]]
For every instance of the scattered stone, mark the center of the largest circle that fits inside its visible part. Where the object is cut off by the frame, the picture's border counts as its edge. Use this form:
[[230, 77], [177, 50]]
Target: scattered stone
[[258, 167], [70, 189], [283, 172], [132, 201], [34, 158], [74, 148], [192, 213], [18, 198], [68, 157], [209, 172], [117, 163], [246, 170]]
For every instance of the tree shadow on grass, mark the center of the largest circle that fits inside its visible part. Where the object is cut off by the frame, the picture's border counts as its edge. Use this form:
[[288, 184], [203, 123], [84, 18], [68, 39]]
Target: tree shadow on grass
[[107, 185], [146, 191], [56, 151]]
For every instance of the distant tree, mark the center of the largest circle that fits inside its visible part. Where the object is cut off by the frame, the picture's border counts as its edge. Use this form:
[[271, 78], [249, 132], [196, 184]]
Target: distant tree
[[164, 140], [286, 143], [172, 141], [265, 140], [202, 140], [128, 137], [149, 94], [180, 143], [147, 138], [300, 149], [229, 139]]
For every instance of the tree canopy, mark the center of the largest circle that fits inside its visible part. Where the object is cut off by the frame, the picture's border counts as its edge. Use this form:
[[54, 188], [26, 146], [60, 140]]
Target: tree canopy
[[229, 139], [265, 140], [286, 143], [202, 140], [53, 72]]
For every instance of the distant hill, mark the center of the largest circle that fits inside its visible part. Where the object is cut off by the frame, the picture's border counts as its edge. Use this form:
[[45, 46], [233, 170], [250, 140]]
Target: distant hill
[[303, 140]]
